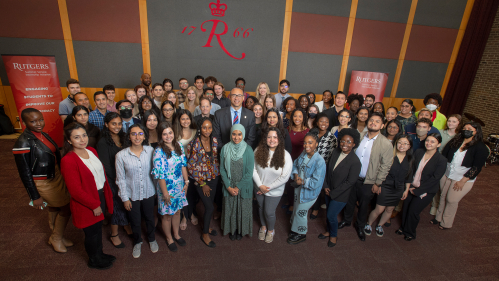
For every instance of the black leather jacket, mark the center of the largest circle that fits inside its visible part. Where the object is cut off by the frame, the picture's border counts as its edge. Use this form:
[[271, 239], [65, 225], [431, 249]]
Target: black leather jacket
[[34, 160]]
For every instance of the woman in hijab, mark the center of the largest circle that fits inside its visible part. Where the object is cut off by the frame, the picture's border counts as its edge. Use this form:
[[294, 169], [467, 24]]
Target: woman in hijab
[[236, 168]]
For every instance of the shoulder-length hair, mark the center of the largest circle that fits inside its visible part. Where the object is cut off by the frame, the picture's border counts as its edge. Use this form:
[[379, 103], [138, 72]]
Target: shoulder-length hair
[[350, 114], [177, 128], [128, 141], [459, 118], [78, 108], [153, 104], [148, 113], [262, 151], [196, 99], [458, 139], [178, 150], [165, 98], [408, 154], [272, 97], [258, 92], [305, 117], [221, 85], [356, 121], [67, 147], [163, 105], [265, 125], [106, 134], [401, 131]]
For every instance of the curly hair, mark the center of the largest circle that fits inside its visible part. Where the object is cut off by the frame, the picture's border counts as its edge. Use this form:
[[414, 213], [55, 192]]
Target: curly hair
[[356, 96], [153, 104], [128, 140], [285, 103], [318, 117], [178, 150], [106, 134], [305, 118], [262, 151], [353, 133], [434, 96]]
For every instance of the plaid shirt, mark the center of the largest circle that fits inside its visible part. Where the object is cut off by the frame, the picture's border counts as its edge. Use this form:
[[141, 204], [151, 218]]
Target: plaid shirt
[[96, 118], [180, 97]]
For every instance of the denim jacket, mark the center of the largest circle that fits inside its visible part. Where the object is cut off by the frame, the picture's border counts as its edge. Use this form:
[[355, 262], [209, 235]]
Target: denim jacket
[[314, 176]]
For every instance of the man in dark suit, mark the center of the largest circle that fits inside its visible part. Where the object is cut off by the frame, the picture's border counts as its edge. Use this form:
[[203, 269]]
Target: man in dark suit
[[234, 114], [125, 108]]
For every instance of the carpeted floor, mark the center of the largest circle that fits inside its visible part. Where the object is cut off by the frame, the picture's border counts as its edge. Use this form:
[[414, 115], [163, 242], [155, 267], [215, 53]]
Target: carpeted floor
[[468, 251]]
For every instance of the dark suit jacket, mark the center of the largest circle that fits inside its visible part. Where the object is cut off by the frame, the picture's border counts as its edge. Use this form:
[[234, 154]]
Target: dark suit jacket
[[332, 115], [223, 122], [343, 178], [432, 172]]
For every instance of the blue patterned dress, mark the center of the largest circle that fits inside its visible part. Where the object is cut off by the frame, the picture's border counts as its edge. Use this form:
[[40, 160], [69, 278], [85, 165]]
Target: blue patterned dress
[[170, 170]]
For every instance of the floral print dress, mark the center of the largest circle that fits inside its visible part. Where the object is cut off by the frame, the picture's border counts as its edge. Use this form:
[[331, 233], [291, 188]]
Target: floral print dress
[[170, 170]]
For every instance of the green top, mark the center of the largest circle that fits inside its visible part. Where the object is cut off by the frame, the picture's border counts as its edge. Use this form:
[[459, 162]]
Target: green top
[[245, 186]]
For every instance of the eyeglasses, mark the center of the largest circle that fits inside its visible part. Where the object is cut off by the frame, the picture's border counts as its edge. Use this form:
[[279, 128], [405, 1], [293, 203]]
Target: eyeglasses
[[237, 96], [137, 134], [183, 83], [167, 109], [125, 107], [208, 94], [404, 143], [146, 102], [240, 84], [342, 141]]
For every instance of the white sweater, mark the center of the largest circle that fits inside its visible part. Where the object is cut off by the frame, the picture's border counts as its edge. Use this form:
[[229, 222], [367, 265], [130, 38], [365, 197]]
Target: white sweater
[[274, 179]]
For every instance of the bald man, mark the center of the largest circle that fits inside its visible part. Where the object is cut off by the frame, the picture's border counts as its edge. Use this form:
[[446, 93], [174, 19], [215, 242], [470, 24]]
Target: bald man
[[146, 81], [234, 114]]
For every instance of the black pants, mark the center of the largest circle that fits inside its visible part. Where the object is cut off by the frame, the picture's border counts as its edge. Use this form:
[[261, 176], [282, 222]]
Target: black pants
[[192, 200], [93, 233], [144, 207], [219, 196], [207, 201], [362, 193], [413, 206]]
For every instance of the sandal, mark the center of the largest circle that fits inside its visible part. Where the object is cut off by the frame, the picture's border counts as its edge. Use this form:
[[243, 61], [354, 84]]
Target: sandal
[[399, 231], [194, 220], [442, 228], [434, 221], [122, 245]]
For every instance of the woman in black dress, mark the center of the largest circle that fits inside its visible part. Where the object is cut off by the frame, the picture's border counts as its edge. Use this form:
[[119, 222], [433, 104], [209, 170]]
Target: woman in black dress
[[395, 187], [151, 121], [108, 146]]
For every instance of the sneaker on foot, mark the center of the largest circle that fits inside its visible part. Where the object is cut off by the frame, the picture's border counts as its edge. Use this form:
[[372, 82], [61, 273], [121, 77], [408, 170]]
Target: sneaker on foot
[[137, 250], [261, 234], [323, 206], [154, 246], [379, 231], [368, 229], [270, 236]]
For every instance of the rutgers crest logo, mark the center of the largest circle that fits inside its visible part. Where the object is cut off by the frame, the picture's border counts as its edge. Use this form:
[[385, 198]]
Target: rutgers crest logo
[[218, 10]]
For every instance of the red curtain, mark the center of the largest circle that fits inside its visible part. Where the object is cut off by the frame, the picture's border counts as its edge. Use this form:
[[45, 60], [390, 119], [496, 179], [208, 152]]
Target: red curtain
[[469, 56]]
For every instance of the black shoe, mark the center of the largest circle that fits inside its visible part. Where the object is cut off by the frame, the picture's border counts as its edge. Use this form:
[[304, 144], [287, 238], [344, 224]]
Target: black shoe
[[110, 258], [361, 234], [297, 238], [180, 242], [232, 237], [239, 236], [408, 238], [387, 224], [330, 244], [98, 262], [399, 231], [120, 246], [368, 230], [213, 233], [342, 224], [291, 233], [211, 244], [288, 212], [312, 217], [322, 236], [172, 247]]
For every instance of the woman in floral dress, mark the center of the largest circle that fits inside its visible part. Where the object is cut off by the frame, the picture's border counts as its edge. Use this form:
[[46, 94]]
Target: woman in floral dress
[[169, 168]]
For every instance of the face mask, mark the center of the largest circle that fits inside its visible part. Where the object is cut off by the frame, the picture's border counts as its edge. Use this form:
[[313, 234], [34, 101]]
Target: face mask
[[467, 133], [431, 107], [312, 115], [421, 132], [126, 113]]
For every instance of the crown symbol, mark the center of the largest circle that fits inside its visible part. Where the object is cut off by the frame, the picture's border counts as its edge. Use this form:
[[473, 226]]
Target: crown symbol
[[217, 9]]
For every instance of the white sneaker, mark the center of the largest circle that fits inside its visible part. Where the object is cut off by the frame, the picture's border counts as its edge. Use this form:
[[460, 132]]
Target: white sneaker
[[261, 234], [137, 249], [323, 206], [154, 246], [270, 236]]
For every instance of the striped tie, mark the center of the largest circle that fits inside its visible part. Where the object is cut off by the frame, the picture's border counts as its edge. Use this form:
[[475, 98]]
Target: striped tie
[[236, 118]]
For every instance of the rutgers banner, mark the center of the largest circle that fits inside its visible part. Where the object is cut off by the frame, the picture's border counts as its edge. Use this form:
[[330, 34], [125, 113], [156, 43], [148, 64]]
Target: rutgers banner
[[365, 83], [35, 83]]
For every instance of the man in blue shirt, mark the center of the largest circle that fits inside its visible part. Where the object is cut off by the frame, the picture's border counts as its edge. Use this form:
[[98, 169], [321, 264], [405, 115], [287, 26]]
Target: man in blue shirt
[[125, 108], [410, 129], [96, 117], [423, 127]]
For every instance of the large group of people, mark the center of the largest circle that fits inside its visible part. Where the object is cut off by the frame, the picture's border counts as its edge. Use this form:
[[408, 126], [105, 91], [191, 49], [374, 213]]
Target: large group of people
[[156, 154]]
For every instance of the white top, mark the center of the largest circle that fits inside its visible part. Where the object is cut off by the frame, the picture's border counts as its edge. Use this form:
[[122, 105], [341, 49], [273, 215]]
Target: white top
[[95, 166], [158, 103], [320, 105], [364, 153], [454, 169], [185, 142], [274, 179]]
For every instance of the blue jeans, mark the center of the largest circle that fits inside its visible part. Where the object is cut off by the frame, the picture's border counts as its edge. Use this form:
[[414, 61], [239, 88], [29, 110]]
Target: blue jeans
[[333, 209]]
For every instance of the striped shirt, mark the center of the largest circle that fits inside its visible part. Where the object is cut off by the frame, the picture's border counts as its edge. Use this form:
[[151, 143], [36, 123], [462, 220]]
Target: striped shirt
[[133, 174]]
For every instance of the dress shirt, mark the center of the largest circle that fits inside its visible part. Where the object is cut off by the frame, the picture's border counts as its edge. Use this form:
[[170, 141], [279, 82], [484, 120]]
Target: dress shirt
[[232, 111], [130, 123], [133, 174], [455, 170], [364, 153], [97, 119], [279, 98]]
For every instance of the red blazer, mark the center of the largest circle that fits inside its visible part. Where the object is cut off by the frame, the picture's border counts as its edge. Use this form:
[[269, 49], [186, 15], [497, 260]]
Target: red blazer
[[84, 195]]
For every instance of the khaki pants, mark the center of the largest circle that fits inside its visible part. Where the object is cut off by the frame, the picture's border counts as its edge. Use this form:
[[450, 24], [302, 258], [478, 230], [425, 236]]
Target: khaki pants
[[449, 200]]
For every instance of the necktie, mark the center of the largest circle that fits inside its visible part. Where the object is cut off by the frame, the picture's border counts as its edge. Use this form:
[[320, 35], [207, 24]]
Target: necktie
[[127, 125], [236, 118]]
